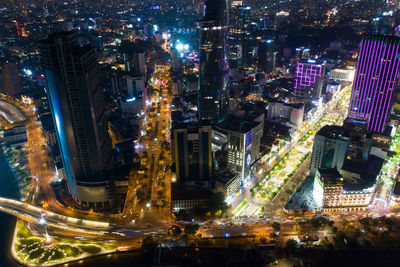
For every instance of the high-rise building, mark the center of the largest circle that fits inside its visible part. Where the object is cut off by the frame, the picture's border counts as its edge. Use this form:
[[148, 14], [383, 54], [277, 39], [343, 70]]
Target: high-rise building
[[281, 17], [240, 43], [241, 137], [213, 70], [302, 53], [236, 3], [267, 56], [309, 80], [346, 75], [330, 147], [292, 113], [11, 81], [134, 58], [74, 80], [375, 81], [334, 192], [129, 90], [191, 145], [383, 24]]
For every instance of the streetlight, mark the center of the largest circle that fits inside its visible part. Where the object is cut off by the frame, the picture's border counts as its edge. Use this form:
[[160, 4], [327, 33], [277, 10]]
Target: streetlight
[[47, 236], [42, 221]]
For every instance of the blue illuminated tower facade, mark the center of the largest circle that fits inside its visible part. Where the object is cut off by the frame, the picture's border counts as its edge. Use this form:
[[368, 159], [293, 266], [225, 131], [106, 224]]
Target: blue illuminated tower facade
[[214, 69], [74, 79], [375, 82]]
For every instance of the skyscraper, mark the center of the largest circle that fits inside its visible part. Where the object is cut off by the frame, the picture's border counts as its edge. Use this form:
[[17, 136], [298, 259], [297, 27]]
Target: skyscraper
[[375, 81], [330, 147], [192, 154], [74, 79], [242, 137], [266, 56], [309, 79], [134, 58], [240, 43], [213, 70]]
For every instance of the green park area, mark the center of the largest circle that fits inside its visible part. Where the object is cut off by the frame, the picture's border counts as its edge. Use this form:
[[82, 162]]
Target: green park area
[[36, 249]]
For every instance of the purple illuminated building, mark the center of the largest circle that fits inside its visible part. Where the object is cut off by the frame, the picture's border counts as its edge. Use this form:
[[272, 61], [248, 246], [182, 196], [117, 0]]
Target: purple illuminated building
[[309, 79], [375, 81]]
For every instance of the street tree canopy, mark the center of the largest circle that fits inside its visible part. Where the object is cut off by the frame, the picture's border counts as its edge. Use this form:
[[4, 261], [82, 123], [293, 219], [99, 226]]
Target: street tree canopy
[[191, 229], [174, 230], [217, 203], [276, 226]]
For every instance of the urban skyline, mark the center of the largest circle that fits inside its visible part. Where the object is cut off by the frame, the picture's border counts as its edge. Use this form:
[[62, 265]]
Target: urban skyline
[[204, 133]]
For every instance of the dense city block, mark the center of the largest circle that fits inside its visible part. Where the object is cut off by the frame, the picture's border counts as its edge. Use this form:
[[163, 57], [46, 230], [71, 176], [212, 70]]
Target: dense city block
[[200, 133]]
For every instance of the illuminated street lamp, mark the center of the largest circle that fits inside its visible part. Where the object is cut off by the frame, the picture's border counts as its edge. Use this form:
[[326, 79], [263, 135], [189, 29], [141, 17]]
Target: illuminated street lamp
[[47, 237], [42, 221], [179, 47]]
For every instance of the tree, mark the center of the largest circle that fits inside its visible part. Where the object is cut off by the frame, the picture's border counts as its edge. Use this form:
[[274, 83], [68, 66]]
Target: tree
[[276, 226], [140, 194], [217, 202], [174, 230], [366, 223], [40, 196], [320, 222], [269, 258], [273, 235], [191, 229], [291, 246], [340, 240], [388, 223], [148, 247]]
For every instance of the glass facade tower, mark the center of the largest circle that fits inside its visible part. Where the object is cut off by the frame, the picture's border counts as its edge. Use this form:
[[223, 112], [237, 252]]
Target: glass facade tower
[[214, 70], [77, 102]]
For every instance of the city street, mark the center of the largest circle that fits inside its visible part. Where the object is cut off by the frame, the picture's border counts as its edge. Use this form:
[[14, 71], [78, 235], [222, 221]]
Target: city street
[[272, 187], [156, 159], [387, 179], [208, 133], [40, 162]]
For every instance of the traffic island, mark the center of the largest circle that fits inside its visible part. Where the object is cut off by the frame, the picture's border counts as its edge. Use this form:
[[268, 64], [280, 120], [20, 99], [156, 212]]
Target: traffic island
[[30, 249]]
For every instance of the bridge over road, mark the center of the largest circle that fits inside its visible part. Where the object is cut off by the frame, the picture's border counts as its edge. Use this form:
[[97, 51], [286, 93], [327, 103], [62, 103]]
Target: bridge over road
[[71, 226]]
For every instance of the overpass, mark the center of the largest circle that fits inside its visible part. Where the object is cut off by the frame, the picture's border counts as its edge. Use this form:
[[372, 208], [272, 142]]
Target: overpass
[[39, 216], [61, 225]]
